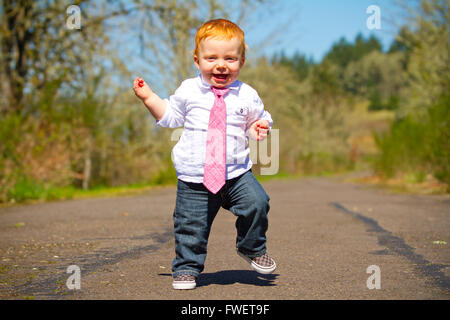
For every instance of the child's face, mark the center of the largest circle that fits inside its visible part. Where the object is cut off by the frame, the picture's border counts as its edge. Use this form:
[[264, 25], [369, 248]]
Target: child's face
[[219, 61]]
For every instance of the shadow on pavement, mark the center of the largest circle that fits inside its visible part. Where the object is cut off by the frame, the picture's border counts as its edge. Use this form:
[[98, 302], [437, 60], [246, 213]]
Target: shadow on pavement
[[227, 277]]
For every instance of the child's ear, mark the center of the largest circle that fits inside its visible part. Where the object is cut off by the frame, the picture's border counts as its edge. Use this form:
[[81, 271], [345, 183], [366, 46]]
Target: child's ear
[[242, 62], [196, 61]]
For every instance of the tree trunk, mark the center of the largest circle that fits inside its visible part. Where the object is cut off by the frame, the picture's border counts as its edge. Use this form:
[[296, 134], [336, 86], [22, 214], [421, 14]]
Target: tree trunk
[[87, 164]]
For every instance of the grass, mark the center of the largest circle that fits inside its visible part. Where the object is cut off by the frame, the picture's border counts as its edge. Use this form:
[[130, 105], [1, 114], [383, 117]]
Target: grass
[[28, 191], [31, 192]]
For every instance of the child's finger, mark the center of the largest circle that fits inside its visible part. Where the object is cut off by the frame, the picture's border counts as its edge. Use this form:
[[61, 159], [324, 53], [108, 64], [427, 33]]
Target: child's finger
[[138, 82], [261, 132], [135, 83], [259, 128], [263, 124]]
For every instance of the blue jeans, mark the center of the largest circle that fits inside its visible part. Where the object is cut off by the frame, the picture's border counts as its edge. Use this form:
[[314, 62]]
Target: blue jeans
[[196, 209]]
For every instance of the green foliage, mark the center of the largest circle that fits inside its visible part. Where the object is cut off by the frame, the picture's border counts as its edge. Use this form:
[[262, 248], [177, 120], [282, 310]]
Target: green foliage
[[403, 148], [10, 164], [439, 137], [419, 143], [323, 162], [298, 63], [9, 128], [325, 79], [377, 76], [165, 176], [377, 103], [26, 189], [310, 114], [428, 65], [343, 52], [417, 146]]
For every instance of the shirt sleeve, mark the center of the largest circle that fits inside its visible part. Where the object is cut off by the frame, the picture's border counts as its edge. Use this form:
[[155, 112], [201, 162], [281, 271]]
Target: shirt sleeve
[[257, 112], [175, 112]]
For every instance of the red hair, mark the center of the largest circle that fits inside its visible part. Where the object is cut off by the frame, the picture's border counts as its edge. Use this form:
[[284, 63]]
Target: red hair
[[220, 29]]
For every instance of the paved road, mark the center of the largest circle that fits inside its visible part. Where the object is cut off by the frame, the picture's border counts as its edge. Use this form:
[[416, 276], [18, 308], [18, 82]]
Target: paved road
[[323, 233]]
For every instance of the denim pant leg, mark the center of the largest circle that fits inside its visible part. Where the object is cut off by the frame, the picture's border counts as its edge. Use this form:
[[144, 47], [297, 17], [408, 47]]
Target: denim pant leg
[[247, 199], [194, 213]]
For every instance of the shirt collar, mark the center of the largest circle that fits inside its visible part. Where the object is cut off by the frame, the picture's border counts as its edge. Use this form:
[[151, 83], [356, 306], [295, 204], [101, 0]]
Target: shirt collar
[[203, 84]]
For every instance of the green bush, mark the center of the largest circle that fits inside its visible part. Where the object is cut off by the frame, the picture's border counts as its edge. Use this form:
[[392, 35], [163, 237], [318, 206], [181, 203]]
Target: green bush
[[165, 176], [25, 189], [439, 137], [322, 163], [417, 146], [377, 103]]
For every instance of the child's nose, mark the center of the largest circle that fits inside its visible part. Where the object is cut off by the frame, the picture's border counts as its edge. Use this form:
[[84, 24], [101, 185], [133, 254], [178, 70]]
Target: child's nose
[[221, 64]]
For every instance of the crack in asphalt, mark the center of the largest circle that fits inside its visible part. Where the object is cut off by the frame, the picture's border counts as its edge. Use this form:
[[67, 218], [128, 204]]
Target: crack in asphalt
[[89, 263], [399, 247]]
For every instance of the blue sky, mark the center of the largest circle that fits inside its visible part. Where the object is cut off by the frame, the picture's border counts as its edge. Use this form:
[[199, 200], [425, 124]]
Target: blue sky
[[315, 25]]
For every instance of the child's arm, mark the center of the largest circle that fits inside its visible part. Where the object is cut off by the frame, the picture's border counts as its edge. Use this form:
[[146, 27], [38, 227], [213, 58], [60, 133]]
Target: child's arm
[[154, 104]]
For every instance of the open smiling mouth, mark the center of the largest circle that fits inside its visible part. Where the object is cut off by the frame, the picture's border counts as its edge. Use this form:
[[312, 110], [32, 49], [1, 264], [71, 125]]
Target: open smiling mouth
[[220, 77]]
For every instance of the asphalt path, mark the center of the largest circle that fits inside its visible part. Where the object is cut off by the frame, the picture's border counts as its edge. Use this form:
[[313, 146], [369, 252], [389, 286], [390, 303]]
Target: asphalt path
[[331, 240]]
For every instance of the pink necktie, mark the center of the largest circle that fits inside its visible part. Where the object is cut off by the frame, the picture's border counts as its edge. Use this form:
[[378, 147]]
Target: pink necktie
[[214, 174]]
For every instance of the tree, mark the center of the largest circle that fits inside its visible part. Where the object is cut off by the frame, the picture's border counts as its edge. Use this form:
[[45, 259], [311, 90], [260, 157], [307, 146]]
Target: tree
[[343, 52], [418, 140], [37, 50], [298, 62], [377, 76], [429, 55]]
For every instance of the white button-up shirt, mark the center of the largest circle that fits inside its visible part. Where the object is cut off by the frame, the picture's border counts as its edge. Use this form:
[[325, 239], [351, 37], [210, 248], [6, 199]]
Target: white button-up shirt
[[190, 107]]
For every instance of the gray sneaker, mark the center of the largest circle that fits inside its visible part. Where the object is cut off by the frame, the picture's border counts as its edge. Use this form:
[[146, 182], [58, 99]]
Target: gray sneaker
[[263, 264], [184, 282]]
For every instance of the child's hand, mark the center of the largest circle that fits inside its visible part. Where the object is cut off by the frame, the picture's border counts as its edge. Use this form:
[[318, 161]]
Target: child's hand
[[259, 129], [141, 89]]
